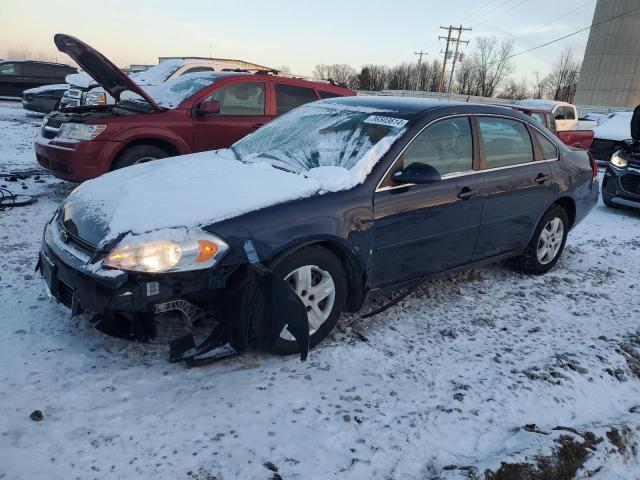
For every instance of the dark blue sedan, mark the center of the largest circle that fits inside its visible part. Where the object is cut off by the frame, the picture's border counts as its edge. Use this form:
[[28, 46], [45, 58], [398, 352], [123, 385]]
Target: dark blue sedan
[[271, 240]]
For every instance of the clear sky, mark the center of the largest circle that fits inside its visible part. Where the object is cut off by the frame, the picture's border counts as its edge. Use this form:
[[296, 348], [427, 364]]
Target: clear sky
[[299, 34]]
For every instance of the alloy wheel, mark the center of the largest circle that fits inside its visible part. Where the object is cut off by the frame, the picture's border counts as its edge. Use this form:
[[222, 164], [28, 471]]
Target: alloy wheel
[[550, 241], [317, 290]]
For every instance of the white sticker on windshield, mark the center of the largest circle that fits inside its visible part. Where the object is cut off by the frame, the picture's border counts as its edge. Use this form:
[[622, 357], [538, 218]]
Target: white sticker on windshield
[[388, 121], [202, 81]]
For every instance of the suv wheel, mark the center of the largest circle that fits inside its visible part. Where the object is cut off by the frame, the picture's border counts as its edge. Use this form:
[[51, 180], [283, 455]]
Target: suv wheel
[[318, 278], [138, 154], [547, 243]]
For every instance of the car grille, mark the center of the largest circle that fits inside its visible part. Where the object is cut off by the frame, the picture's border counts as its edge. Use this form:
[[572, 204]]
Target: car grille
[[74, 240], [65, 294], [630, 183]]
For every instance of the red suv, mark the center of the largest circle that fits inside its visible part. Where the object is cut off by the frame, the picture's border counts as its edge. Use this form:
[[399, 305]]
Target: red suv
[[191, 113]]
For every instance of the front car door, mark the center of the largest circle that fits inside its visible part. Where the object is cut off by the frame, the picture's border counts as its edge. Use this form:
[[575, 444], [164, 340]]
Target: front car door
[[517, 185], [428, 228], [243, 109], [9, 79]]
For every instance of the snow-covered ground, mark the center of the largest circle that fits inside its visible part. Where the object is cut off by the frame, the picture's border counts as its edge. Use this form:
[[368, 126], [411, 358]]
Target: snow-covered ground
[[484, 367]]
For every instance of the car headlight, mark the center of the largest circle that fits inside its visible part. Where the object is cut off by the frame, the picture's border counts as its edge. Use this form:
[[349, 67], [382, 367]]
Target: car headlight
[[170, 250], [80, 131], [96, 98], [619, 159]]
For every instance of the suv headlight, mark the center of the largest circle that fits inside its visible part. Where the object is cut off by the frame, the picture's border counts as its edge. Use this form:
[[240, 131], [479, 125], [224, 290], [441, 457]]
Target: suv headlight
[[80, 131], [619, 159], [96, 98], [170, 250]]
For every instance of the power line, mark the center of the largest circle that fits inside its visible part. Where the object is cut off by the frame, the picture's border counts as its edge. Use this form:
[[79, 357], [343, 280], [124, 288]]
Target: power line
[[556, 19], [569, 35], [501, 13], [477, 11], [487, 13]]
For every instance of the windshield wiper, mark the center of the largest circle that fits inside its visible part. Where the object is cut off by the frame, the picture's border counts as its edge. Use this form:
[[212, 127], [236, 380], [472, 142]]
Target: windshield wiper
[[235, 152]]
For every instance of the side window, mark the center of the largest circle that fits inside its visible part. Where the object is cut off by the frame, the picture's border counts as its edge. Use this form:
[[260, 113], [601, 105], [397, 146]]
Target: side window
[[36, 70], [324, 94], [289, 97], [506, 142], [538, 117], [198, 69], [551, 123], [559, 114], [8, 69], [549, 149], [569, 114], [246, 98], [446, 145]]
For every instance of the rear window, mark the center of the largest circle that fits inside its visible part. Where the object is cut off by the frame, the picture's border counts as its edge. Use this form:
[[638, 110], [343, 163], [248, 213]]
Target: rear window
[[324, 94], [289, 97], [549, 149], [506, 142]]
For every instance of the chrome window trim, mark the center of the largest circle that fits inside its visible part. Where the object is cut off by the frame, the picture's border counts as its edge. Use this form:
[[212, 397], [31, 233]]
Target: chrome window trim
[[468, 172]]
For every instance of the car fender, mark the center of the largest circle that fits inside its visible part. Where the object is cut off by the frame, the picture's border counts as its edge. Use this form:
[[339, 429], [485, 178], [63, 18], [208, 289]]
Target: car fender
[[138, 134]]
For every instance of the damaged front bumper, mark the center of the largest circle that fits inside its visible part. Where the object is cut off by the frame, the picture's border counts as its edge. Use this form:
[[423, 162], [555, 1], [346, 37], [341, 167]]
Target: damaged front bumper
[[126, 303]]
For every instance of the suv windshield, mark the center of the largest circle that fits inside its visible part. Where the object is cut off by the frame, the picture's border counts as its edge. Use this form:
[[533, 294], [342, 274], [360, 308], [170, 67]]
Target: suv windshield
[[321, 135], [173, 92]]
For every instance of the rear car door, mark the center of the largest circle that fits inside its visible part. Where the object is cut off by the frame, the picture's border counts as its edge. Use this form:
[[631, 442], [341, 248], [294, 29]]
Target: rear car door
[[518, 185], [243, 109], [431, 227]]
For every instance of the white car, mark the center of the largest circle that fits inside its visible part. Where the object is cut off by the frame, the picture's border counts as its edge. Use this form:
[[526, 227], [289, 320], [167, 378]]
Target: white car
[[85, 91], [610, 136], [565, 114]]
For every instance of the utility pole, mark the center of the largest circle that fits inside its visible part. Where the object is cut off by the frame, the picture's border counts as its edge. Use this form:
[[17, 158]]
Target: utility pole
[[450, 28], [455, 55], [420, 54], [446, 54]]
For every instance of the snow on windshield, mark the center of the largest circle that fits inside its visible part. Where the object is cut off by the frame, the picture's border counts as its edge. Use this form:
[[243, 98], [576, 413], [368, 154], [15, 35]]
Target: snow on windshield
[[323, 135], [173, 92]]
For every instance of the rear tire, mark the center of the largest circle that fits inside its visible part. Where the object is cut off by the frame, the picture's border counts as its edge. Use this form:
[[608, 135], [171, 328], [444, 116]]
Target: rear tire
[[320, 268], [547, 242], [138, 154]]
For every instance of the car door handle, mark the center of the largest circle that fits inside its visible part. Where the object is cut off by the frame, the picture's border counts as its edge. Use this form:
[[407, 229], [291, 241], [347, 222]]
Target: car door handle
[[466, 193], [541, 178]]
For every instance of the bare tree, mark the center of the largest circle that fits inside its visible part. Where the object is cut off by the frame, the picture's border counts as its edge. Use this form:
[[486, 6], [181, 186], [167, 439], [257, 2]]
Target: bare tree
[[515, 90], [563, 79], [23, 52], [340, 73], [491, 64], [285, 69], [539, 85]]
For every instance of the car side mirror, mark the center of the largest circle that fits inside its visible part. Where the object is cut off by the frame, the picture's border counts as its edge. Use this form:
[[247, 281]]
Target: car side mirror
[[635, 124], [208, 107], [417, 172]]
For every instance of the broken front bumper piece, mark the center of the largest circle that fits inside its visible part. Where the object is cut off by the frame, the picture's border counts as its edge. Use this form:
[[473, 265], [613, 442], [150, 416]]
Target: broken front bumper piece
[[248, 299]]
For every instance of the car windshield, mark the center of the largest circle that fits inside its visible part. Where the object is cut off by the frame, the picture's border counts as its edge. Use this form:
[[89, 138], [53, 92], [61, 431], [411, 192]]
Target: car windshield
[[173, 92], [322, 135]]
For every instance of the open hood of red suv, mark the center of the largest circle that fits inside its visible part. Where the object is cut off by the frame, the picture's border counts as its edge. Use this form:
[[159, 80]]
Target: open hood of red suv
[[110, 77]]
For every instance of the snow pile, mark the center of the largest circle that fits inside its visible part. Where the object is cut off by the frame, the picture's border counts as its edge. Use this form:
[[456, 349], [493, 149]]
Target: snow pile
[[618, 127]]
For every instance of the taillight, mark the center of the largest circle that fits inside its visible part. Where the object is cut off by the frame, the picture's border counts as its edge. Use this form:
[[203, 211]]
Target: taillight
[[594, 165]]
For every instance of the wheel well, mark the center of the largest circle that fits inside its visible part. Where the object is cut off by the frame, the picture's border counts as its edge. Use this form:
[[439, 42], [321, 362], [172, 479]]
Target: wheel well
[[164, 145], [569, 206], [352, 268]]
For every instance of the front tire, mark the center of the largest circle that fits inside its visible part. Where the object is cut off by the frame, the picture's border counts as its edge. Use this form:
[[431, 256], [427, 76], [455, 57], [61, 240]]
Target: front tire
[[547, 242], [138, 154], [318, 278]]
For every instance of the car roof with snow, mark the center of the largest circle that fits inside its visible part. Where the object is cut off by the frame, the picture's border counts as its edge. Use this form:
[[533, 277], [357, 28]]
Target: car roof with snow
[[414, 106]]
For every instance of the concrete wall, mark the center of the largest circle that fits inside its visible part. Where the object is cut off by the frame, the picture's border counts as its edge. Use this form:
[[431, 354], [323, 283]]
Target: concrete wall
[[610, 72]]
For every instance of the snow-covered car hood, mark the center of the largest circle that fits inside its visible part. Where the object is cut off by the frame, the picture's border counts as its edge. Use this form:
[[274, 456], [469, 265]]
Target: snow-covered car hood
[[190, 190], [616, 128]]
